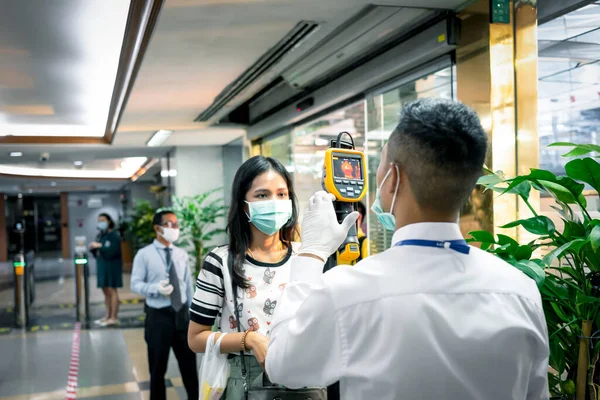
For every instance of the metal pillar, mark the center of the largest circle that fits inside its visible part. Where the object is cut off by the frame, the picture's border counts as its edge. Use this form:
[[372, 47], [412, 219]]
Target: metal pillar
[[82, 290], [496, 65], [21, 310]]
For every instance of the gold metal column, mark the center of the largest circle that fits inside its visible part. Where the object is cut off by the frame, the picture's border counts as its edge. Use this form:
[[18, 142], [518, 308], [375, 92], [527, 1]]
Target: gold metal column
[[497, 76]]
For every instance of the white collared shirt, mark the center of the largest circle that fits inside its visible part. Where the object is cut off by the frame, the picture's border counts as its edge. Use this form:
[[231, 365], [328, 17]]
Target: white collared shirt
[[413, 323]]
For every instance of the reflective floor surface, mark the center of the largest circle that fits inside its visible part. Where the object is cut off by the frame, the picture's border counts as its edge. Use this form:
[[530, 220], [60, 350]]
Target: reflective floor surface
[[112, 365]]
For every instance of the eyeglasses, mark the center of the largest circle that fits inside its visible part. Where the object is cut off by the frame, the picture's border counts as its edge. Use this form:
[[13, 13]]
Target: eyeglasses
[[170, 225]]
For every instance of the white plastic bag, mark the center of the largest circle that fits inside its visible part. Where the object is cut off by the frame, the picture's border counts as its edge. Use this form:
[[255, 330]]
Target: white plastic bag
[[214, 370]]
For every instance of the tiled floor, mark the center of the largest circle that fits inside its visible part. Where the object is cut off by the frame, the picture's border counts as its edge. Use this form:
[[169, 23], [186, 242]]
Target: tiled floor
[[112, 365], [54, 306]]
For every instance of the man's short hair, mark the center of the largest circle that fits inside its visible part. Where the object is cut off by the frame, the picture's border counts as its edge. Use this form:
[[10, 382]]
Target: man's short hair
[[441, 146], [158, 217]]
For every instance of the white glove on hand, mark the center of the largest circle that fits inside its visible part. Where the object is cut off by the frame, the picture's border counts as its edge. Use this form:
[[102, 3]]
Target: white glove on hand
[[322, 235], [165, 288]]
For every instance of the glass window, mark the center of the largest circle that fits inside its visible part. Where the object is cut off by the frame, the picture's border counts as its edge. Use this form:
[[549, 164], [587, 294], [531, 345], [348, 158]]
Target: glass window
[[382, 117], [569, 84]]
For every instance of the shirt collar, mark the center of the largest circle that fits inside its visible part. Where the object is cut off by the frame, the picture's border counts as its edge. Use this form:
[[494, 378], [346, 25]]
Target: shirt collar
[[439, 231], [160, 245]]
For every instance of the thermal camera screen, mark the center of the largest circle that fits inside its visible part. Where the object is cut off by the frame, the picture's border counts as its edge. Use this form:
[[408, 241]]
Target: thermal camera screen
[[347, 168]]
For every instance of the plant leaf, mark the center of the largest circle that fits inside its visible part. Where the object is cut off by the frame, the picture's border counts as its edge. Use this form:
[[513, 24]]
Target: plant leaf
[[523, 253], [573, 244], [578, 149], [532, 270], [540, 225], [585, 170], [481, 236], [595, 238]]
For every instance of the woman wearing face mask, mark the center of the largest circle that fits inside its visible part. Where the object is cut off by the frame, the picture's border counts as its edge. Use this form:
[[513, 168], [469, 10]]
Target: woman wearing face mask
[[256, 265], [109, 267]]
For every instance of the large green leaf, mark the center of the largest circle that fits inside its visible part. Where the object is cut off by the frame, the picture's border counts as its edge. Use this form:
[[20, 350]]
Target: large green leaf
[[532, 270], [540, 225], [565, 194], [585, 170], [523, 253], [575, 245], [481, 236], [564, 188], [595, 238], [578, 149], [489, 180]]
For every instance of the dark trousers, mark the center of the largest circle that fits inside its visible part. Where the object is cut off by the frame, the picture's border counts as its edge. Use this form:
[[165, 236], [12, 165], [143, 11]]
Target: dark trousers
[[163, 331]]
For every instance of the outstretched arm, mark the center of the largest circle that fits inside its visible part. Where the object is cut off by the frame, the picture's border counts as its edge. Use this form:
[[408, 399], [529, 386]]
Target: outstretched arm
[[305, 348]]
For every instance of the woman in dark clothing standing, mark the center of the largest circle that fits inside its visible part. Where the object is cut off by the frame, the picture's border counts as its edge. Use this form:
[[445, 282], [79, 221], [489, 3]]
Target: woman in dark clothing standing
[[109, 267]]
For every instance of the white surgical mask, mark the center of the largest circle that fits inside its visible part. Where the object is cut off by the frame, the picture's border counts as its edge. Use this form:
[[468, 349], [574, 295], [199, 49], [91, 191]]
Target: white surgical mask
[[170, 234]]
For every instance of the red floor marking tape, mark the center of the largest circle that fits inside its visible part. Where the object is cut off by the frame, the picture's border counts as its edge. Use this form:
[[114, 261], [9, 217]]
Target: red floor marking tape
[[74, 363]]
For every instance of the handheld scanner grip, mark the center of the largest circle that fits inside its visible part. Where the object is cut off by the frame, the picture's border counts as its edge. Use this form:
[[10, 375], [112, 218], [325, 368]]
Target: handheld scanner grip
[[350, 248]]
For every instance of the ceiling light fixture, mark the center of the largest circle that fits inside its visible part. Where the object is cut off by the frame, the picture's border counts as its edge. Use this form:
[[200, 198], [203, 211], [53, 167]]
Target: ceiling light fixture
[[16, 154], [129, 168], [159, 138], [78, 163]]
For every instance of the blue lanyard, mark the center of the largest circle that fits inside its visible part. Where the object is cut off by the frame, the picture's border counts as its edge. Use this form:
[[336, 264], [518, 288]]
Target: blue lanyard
[[457, 245]]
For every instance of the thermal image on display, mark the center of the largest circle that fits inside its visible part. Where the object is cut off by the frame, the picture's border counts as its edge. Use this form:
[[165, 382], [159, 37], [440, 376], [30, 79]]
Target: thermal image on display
[[347, 168]]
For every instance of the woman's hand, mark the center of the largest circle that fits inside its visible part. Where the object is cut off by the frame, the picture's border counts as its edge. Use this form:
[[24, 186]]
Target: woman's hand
[[258, 343], [95, 245]]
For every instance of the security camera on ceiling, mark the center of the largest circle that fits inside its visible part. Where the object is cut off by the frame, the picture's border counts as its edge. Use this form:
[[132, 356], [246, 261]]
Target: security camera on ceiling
[[44, 157]]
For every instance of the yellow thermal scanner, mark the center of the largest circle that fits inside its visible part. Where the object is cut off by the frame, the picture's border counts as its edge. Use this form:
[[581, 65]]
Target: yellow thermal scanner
[[344, 176]]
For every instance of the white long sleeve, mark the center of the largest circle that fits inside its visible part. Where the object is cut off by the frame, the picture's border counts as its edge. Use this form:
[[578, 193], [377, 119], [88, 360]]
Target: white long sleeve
[[305, 348], [413, 323]]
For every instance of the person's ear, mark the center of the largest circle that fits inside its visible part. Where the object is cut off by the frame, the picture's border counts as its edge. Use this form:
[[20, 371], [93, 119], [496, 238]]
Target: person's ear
[[392, 179]]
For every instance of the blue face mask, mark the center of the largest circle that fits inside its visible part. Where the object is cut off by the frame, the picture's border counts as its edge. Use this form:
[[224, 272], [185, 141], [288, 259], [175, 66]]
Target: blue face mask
[[269, 216], [387, 219], [102, 225]]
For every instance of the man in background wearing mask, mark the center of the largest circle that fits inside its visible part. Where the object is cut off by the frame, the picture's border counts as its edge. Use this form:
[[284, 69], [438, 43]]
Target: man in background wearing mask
[[430, 318], [161, 274]]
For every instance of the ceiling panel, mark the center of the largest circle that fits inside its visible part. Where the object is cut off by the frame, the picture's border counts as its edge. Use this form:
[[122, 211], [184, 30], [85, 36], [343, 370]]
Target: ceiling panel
[[200, 46], [58, 63]]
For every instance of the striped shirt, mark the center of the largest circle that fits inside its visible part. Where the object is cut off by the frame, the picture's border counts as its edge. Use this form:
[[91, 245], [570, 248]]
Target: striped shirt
[[213, 299]]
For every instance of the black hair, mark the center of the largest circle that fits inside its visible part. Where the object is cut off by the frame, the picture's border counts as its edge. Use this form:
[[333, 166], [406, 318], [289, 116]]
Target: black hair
[[157, 220], [441, 146], [111, 223], [362, 210], [238, 226]]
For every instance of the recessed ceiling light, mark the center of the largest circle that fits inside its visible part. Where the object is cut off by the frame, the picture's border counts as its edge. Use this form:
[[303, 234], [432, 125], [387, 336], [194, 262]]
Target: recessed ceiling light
[[20, 196], [159, 138], [78, 163], [16, 154], [52, 183]]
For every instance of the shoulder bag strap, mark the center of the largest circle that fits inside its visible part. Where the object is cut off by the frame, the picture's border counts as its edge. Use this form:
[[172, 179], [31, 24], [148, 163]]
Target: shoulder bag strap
[[239, 328]]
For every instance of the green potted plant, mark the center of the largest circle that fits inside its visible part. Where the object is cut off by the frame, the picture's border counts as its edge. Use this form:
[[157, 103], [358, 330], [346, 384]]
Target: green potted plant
[[568, 275], [141, 224], [198, 218]]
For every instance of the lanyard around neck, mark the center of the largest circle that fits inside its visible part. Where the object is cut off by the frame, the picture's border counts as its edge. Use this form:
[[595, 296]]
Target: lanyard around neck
[[460, 246]]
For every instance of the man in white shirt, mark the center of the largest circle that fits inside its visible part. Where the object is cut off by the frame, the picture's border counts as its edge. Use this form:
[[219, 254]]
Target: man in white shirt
[[430, 318], [161, 273]]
